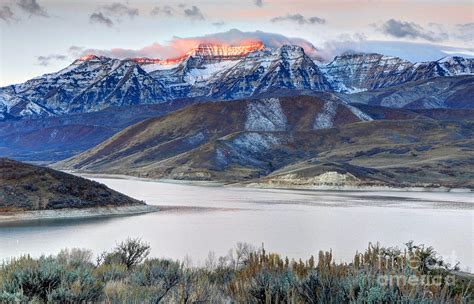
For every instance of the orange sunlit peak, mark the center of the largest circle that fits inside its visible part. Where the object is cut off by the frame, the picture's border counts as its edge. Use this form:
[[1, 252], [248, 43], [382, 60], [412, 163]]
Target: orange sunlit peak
[[217, 50], [226, 50], [88, 57]]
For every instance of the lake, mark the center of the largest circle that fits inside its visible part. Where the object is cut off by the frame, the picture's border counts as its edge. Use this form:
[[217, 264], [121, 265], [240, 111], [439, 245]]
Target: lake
[[296, 223]]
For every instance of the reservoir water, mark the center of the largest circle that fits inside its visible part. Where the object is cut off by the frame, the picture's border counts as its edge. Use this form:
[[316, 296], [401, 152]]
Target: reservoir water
[[295, 223]]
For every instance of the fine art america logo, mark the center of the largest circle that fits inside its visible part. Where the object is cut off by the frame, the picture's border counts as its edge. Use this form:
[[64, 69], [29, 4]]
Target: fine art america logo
[[419, 270], [412, 277]]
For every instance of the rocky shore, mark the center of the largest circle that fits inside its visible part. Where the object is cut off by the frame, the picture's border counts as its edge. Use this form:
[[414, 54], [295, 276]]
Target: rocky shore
[[69, 213]]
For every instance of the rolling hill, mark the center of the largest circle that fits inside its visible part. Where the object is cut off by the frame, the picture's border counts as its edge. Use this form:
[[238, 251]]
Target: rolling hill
[[291, 140], [26, 187]]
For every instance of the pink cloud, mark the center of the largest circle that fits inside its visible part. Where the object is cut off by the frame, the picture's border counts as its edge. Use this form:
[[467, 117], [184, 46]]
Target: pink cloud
[[179, 46]]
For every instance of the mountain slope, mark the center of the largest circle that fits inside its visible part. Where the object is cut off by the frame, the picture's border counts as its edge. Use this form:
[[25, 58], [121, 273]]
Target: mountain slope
[[27, 187], [272, 137], [288, 67], [55, 138], [210, 130], [455, 92]]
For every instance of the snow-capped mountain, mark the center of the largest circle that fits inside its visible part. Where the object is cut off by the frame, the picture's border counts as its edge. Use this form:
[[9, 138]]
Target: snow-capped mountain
[[213, 72], [355, 72], [90, 83], [352, 73], [260, 71]]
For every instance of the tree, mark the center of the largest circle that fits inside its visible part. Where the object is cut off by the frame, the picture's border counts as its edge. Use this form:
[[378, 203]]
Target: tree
[[132, 251]]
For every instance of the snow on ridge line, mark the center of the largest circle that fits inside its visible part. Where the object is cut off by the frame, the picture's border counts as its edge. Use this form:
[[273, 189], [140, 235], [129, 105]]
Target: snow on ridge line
[[361, 115]]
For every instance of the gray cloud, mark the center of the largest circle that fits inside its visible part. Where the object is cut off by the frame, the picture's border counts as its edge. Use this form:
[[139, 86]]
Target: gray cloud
[[411, 51], [465, 32], [403, 29], [6, 13], [193, 13], [300, 19], [32, 7], [163, 10], [218, 24], [258, 3], [99, 18], [119, 9], [75, 51], [466, 26], [46, 60], [181, 9]]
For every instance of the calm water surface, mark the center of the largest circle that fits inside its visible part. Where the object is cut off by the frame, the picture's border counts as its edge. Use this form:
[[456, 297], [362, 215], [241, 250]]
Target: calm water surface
[[291, 222]]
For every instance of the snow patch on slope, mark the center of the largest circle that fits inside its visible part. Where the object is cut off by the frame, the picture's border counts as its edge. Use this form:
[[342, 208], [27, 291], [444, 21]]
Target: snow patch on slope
[[361, 115], [265, 115], [247, 148], [325, 119], [255, 142], [159, 67], [208, 71]]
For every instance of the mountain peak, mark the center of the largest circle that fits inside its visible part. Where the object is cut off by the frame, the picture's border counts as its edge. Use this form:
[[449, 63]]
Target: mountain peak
[[291, 51], [208, 51], [223, 51], [89, 57]]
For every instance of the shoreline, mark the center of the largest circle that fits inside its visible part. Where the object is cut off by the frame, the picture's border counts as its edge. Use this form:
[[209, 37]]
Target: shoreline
[[351, 188], [100, 212], [70, 213], [148, 179], [257, 185]]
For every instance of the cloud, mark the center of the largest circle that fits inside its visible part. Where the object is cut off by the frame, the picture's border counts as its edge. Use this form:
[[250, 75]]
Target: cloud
[[165, 10], [343, 43], [465, 32], [194, 13], [46, 60], [179, 46], [403, 29], [6, 14], [99, 18], [32, 7], [258, 3], [75, 51], [218, 24], [411, 51], [298, 18], [119, 9], [181, 10], [466, 26]]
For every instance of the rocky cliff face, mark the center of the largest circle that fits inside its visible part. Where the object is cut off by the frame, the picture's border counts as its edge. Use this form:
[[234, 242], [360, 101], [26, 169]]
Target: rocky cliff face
[[213, 53]]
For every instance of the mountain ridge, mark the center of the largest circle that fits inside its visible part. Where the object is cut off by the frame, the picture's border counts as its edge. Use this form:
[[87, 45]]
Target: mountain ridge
[[97, 82]]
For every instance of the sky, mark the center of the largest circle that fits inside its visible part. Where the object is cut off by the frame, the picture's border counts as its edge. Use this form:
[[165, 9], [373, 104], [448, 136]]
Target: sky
[[43, 36]]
